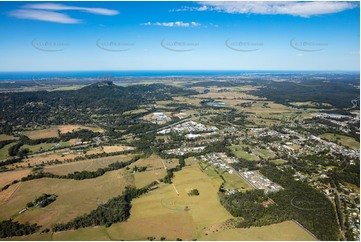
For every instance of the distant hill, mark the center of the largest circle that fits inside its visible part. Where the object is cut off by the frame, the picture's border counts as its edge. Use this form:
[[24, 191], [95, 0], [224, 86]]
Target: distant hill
[[337, 93], [103, 84]]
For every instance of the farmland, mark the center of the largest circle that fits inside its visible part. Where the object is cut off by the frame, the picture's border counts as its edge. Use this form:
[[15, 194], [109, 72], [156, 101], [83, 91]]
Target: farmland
[[7, 137], [279, 161], [8, 177], [45, 146], [192, 151], [85, 165], [163, 213], [74, 198], [53, 132], [342, 139], [240, 153], [4, 151], [116, 148], [231, 181], [42, 133], [283, 231]]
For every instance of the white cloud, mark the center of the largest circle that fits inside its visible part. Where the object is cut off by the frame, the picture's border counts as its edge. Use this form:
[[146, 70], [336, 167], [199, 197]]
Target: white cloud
[[354, 52], [302, 9], [147, 24], [48, 16], [190, 9], [173, 24], [58, 7], [48, 12], [195, 24]]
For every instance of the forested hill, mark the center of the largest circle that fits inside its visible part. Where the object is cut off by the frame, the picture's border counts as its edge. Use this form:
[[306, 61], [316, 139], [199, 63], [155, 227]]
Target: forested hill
[[338, 93], [102, 102]]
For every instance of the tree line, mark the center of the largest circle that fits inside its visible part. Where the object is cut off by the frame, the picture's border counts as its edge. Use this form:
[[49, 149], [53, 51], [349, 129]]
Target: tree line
[[9, 228], [76, 175], [115, 210], [170, 172]]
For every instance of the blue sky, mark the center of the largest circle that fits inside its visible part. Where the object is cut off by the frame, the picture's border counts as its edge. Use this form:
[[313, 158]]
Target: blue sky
[[55, 36]]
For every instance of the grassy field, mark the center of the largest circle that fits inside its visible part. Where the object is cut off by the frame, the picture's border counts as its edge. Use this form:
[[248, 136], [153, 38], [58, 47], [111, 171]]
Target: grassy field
[[310, 104], [142, 179], [259, 121], [246, 88], [170, 225], [266, 117], [40, 158], [45, 146], [8, 177], [155, 170], [234, 181], [55, 155], [159, 213], [85, 165], [95, 233], [228, 94], [188, 100], [231, 181], [67, 88], [71, 128], [261, 107], [116, 148], [135, 111], [231, 102], [265, 154], [152, 162], [279, 161], [287, 230], [74, 198], [296, 147], [32, 237], [51, 132], [240, 153], [7, 137], [163, 105], [4, 151], [342, 139], [211, 172], [171, 163]]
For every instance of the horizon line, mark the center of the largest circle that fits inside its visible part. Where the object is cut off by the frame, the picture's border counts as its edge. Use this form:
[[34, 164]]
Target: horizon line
[[153, 70]]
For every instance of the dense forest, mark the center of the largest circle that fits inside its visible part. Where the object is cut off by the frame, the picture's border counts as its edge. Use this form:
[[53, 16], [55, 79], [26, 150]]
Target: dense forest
[[305, 204], [337, 93], [101, 103], [297, 201]]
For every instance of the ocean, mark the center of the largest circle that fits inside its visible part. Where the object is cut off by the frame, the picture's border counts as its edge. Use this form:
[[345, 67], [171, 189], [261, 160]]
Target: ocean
[[13, 76]]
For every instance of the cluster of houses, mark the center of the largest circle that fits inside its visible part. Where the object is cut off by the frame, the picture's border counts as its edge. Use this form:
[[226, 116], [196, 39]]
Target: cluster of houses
[[259, 181], [188, 127], [161, 118], [185, 150], [219, 160], [201, 135]]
